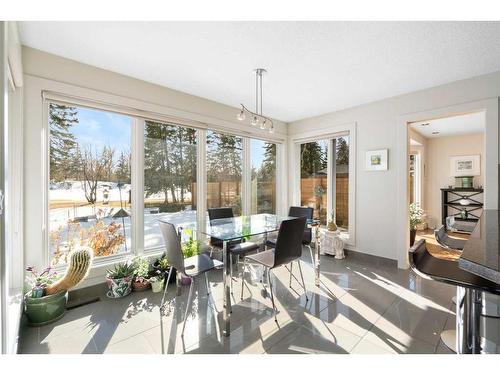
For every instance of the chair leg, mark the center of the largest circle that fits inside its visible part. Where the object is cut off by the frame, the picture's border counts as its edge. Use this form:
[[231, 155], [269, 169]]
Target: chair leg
[[272, 295], [165, 291], [243, 276], [291, 267], [303, 283], [187, 306], [208, 284], [312, 255]]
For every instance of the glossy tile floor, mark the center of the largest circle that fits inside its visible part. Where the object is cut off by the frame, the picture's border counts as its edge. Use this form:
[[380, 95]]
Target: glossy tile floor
[[362, 306]]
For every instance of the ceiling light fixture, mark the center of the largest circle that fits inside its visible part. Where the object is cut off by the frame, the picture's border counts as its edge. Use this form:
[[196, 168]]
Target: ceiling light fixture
[[425, 124], [265, 123], [435, 132]]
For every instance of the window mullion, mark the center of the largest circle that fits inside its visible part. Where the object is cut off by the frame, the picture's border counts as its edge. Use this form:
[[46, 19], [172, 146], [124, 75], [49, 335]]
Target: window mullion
[[246, 179], [137, 182], [201, 180]]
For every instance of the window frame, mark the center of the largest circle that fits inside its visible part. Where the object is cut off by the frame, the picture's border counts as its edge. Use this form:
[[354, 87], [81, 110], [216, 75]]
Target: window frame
[[137, 172], [332, 132]]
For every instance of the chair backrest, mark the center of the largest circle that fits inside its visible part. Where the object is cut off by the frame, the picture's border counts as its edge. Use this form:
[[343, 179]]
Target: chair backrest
[[308, 213], [175, 256], [219, 213], [289, 241]]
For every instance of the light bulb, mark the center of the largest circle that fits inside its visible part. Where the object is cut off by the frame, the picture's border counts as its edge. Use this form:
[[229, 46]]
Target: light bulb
[[241, 116], [263, 125], [271, 129], [255, 121]]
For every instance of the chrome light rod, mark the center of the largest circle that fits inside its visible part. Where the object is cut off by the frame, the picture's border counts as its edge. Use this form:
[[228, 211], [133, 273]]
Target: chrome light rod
[[257, 116]]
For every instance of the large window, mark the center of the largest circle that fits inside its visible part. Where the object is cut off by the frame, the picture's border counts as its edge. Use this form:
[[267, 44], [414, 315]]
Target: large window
[[263, 179], [92, 191], [324, 179], [169, 178], [224, 171], [90, 181]]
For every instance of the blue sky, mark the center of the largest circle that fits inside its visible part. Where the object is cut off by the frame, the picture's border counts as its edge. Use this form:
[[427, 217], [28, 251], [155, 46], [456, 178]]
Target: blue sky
[[100, 129]]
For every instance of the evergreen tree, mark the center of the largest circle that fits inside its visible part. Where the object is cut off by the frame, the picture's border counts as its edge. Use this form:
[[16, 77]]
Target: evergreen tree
[[342, 151], [62, 141], [122, 171], [313, 159]]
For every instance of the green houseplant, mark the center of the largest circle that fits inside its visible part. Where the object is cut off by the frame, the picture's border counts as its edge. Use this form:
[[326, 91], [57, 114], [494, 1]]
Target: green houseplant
[[161, 266], [415, 219], [157, 282], [190, 248], [119, 280], [141, 272]]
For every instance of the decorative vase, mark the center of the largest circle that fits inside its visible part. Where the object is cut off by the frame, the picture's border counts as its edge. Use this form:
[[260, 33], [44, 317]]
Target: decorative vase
[[45, 310], [157, 286], [139, 286], [119, 288], [413, 233]]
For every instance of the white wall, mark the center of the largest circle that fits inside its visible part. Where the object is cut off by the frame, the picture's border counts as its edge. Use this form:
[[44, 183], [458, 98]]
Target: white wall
[[439, 151], [378, 193]]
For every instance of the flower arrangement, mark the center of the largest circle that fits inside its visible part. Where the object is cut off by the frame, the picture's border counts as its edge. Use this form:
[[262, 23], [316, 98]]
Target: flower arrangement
[[39, 281], [415, 215], [141, 269]]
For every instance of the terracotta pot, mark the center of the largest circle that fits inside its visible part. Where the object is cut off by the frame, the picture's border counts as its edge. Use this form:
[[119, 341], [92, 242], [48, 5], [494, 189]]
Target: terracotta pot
[[45, 309], [413, 233], [139, 286]]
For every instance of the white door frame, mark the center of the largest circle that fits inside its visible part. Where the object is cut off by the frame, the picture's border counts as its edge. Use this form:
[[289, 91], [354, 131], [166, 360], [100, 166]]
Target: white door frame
[[491, 152]]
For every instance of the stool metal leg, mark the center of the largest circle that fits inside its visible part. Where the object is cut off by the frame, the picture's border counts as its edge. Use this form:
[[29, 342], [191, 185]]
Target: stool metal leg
[[243, 276]]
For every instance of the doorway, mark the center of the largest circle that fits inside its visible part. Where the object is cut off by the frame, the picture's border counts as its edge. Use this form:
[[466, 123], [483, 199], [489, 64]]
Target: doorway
[[446, 177]]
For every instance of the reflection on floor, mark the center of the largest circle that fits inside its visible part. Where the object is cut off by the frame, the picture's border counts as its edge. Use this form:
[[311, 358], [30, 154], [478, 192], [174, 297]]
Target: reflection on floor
[[435, 249], [362, 306]]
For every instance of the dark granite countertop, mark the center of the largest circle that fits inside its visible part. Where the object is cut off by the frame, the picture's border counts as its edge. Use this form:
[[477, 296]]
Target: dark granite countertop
[[481, 253]]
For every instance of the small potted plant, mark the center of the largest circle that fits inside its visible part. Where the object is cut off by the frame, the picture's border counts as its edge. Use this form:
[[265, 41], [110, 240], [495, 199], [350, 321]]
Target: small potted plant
[[161, 266], [190, 248], [141, 273], [157, 281], [40, 307], [119, 280], [415, 219]]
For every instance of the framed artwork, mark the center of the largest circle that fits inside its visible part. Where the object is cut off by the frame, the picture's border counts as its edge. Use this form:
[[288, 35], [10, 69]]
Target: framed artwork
[[376, 160], [468, 165]]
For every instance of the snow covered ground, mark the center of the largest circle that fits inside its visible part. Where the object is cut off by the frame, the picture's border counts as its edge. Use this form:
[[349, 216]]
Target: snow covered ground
[[69, 199]]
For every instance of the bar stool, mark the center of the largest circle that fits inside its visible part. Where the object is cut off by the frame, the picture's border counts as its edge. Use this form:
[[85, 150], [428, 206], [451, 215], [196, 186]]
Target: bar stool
[[469, 292]]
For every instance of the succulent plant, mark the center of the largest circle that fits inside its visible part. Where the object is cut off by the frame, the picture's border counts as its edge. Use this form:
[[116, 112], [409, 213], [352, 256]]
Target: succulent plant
[[121, 271]]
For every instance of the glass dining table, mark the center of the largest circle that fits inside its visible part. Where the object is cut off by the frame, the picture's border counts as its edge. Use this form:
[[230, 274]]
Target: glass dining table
[[244, 227]]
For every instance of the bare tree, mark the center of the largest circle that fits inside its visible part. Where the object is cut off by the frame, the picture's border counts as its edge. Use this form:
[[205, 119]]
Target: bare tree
[[93, 169]]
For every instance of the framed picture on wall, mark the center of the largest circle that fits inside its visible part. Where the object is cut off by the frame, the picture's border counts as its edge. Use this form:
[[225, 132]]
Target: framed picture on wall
[[468, 165], [376, 160]]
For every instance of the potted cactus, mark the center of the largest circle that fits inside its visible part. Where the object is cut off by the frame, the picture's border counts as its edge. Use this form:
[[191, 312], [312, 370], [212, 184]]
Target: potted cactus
[[45, 302], [119, 280], [141, 273]]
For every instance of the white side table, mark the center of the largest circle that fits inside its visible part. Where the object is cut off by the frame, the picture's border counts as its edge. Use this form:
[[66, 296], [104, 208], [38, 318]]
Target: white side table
[[332, 244]]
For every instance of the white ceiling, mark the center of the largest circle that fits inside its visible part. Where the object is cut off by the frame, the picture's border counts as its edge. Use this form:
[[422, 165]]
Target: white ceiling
[[450, 126], [314, 67]]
